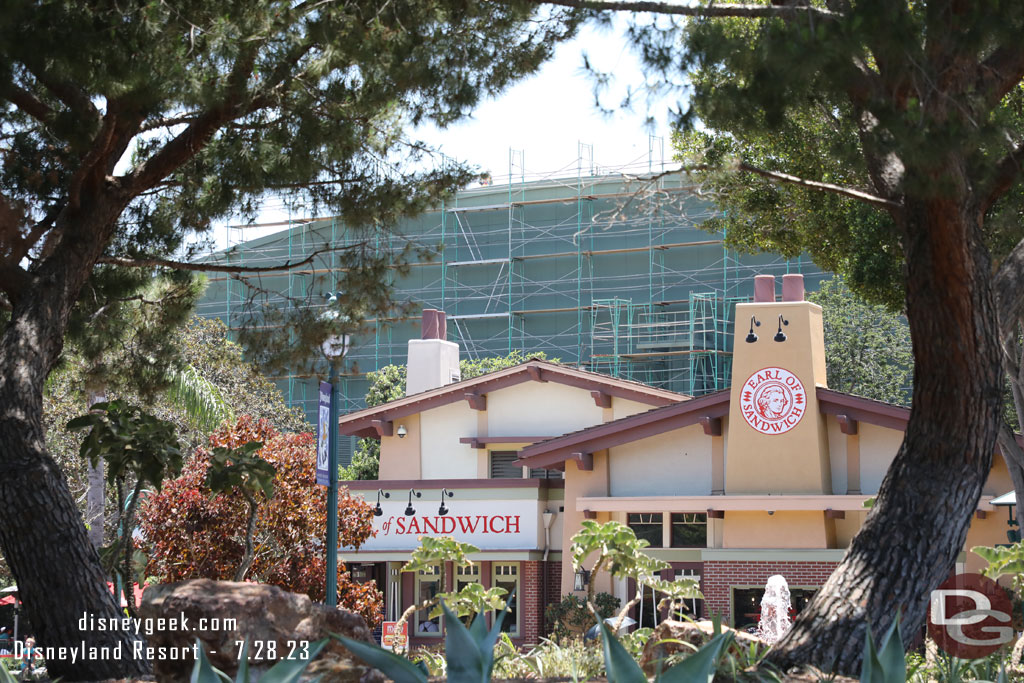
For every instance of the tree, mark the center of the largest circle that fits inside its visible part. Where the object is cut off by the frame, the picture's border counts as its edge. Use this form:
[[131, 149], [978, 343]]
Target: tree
[[128, 126], [920, 96], [190, 532], [867, 348], [388, 384]]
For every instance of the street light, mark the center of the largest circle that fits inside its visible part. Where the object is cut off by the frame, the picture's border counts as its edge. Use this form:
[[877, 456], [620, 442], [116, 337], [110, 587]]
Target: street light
[[334, 348]]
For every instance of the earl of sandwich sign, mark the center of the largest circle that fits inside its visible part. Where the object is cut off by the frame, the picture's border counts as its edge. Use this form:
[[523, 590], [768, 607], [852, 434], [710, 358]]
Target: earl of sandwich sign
[[487, 524]]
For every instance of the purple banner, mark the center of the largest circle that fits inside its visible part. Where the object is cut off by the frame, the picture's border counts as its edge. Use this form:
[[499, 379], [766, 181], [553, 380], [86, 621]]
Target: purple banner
[[323, 436]]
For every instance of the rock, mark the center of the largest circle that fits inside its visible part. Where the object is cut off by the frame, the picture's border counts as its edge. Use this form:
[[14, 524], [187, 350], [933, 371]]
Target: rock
[[224, 614], [695, 633]]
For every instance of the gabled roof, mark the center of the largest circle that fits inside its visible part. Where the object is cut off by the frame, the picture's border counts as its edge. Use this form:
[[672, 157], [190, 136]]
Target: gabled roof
[[376, 421], [553, 453], [706, 410]]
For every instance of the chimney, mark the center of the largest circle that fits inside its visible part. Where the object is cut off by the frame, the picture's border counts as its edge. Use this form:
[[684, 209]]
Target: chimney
[[778, 441], [433, 362]]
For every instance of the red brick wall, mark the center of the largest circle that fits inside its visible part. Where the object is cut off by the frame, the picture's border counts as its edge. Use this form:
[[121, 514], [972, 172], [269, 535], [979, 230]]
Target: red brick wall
[[719, 577], [532, 599]]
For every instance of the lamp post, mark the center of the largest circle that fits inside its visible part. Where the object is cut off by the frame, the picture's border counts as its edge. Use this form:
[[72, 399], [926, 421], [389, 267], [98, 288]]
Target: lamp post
[[334, 349]]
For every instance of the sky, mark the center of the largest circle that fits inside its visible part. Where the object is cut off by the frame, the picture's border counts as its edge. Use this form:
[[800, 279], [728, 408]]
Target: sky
[[543, 120]]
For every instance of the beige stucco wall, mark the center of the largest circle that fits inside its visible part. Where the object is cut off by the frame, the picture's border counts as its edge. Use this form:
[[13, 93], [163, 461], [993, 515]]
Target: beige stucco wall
[[878, 446], [622, 407], [443, 457], [540, 409], [580, 484], [837, 455], [784, 529], [400, 458], [677, 463]]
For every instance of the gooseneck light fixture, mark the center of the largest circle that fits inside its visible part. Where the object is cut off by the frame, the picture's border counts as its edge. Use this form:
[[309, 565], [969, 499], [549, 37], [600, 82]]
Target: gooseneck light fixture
[[780, 336], [443, 510], [751, 337], [378, 511], [409, 509]]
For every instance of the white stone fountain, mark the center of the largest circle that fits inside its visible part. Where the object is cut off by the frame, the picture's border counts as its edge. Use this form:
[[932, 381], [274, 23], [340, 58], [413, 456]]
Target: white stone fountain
[[774, 610]]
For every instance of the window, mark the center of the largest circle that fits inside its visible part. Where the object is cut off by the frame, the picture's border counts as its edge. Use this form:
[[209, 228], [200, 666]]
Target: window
[[507, 576], [646, 526], [428, 584], [689, 530], [503, 465], [541, 473]]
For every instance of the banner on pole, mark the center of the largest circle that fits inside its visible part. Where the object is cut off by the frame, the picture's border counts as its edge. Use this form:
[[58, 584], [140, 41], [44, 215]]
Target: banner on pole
[[323, 436]]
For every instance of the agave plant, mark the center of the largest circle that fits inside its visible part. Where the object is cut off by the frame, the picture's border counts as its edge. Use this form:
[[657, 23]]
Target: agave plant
[[285, 671], [469, 652]]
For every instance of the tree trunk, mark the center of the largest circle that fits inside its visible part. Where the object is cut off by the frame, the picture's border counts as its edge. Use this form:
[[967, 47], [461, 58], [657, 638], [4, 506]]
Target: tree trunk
[[912, 536], [250, 536], [42, 533]]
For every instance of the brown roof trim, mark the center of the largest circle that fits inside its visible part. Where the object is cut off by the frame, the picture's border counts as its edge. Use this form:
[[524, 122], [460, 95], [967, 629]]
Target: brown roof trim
[[452, 484], [862, 409], [554, 452], [360, 423]]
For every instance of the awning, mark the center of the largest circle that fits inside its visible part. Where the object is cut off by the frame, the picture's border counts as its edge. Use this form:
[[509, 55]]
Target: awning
[[1006, 499]]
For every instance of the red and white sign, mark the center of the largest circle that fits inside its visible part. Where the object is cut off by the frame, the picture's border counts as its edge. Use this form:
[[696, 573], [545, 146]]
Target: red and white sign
[[392, 637], [773, 400], [969, 616], [487, 524]]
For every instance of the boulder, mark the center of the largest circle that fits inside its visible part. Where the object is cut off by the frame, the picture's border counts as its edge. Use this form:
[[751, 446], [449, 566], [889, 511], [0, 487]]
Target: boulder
[[695, 633], [223, 615]]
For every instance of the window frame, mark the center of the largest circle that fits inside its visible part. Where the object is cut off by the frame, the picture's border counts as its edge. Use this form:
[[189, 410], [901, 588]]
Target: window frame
[[422, 577], [515, 611]]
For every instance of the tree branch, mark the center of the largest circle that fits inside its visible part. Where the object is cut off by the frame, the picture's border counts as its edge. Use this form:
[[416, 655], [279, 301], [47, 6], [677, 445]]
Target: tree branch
[[743, 11], [215, 267], [1008, 286], [850, 192], [28, 103], [71, 95], [1006, 173], [1000, 73]]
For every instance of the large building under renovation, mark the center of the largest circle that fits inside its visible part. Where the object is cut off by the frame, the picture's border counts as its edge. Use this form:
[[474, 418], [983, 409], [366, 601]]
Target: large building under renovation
[[606, 272]]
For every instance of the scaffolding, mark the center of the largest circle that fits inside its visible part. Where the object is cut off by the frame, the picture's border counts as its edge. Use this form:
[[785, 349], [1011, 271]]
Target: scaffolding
[[604, 269]]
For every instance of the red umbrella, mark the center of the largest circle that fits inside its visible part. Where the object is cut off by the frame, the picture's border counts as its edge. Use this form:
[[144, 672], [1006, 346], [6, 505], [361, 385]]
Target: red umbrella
[[8, 600], [124, 601]]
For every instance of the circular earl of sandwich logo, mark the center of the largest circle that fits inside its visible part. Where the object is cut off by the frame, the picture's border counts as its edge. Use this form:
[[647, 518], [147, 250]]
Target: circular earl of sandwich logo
[[773, 400]]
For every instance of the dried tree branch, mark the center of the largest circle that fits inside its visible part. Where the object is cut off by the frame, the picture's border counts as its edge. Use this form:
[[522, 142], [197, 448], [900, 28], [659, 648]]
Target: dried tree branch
[[710, 10], [217, 267]]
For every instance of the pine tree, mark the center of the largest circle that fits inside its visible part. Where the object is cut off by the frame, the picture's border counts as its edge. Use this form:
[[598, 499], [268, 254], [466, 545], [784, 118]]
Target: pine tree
[[128, 127]]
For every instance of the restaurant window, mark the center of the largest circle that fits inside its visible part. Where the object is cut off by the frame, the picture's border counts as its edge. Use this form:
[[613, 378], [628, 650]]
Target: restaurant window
[[503, 465], [689, 530], [507, 576], [428, 584], [646, 526]]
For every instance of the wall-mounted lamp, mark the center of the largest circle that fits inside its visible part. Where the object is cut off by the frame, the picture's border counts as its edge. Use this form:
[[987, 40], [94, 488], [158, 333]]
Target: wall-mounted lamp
[[751, 337], [378, 511], [443, 510], [409, 509], [780, 336], [402, 431], [771, 512], [580, 579]]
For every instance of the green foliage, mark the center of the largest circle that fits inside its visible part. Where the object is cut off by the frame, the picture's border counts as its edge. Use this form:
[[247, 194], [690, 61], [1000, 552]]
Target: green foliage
[[130, 441], [867, 347], [571, 618], [437, 549], [388, 384], [1003, 560], [284, 671], [469, 652], [472, 599], [238, 468], [699, 667], [887, 663], [202, 400], [618, 551]]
